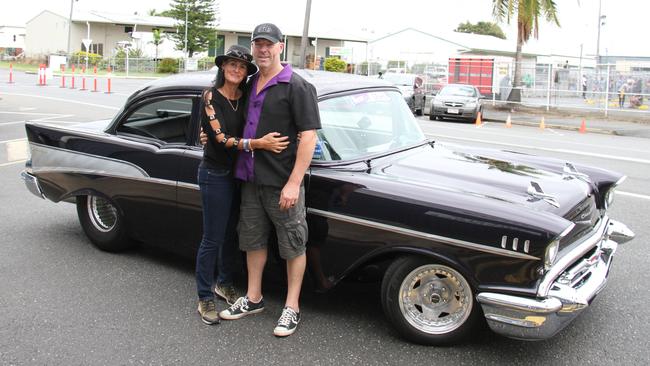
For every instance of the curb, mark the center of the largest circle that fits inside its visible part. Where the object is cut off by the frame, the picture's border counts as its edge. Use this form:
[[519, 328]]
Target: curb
[[554, 126]]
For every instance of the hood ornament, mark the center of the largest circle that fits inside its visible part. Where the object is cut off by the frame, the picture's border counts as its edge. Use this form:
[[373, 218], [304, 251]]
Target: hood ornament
[[569, 171], [536, 191]]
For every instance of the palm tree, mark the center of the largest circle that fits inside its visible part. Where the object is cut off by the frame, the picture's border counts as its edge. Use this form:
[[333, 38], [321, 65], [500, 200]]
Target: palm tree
[[157, 40], [528, 14]]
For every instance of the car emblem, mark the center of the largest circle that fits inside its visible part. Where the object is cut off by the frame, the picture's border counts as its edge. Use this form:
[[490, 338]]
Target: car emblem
[[535, 190]]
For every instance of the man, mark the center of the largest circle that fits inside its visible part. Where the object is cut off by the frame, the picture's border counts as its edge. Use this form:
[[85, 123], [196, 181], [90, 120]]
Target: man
[[272, 190]]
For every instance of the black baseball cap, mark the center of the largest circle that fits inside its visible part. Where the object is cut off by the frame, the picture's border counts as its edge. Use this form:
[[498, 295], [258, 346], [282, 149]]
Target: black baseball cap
[[267, 31]]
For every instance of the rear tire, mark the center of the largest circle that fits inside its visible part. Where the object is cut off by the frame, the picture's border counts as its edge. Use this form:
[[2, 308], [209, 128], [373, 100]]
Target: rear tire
[[102, 223], [428, 303]]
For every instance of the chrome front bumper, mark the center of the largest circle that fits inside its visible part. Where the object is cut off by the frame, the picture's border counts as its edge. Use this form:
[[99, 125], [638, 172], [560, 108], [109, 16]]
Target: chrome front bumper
[[31, 182], [566, 289]]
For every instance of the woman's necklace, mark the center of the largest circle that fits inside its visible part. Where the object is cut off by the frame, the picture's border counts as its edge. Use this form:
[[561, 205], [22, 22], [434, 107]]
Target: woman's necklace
[[236, 105]]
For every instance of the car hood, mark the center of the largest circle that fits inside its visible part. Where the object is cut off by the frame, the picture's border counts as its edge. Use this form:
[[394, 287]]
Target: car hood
[[499, 177]]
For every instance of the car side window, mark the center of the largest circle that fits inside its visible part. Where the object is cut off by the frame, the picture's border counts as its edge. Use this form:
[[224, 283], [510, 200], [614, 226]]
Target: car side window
[[167, 120]]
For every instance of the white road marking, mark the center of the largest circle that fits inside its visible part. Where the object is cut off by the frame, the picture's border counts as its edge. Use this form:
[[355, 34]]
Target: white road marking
[[555, 132], [44, 119], [528, 137], [635, 195], [5, 141], [566, 151], [62, 100], [31, 113], [12, 163]]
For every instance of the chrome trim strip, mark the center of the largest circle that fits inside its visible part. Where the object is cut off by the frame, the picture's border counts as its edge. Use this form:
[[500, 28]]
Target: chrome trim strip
[[545, 306], [419, 234], [588, 242], [49, 158], [188, 186]]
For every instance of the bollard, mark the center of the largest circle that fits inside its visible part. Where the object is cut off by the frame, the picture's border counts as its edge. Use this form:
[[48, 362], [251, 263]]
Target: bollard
[[95, 79], [72, 80], [62, 76], [83, 78], [108, 80], [42, 81], [11, 73]]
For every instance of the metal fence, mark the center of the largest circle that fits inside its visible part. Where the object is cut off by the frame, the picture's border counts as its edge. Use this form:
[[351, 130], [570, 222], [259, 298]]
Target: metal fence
[[605, 88]]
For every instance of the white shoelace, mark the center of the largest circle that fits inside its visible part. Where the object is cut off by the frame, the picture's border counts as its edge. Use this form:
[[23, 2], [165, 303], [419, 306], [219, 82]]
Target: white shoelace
[[287, 317]]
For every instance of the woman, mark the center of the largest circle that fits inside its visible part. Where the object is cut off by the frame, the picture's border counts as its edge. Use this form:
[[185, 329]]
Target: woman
[[223, 118]]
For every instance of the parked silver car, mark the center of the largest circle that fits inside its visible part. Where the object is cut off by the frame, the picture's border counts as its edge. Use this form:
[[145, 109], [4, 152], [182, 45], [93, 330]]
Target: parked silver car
[[458, 101]]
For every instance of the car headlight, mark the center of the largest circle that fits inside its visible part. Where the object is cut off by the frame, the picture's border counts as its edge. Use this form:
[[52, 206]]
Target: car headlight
[[609, 195], [552, 249], [551, 254]]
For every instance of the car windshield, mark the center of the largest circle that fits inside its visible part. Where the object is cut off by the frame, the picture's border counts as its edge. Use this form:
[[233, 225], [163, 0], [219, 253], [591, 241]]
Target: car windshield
[[458, 90], [364, 124], [399, 79]]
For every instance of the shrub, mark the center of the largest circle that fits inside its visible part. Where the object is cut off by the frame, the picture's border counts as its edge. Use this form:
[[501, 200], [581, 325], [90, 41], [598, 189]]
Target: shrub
[[335, 64], [168, 66], [80, 58]]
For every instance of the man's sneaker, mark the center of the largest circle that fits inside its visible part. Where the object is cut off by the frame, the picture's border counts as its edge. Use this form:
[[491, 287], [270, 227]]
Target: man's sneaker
[[242, 307], [227, 293], [208, 312], [287, 323]]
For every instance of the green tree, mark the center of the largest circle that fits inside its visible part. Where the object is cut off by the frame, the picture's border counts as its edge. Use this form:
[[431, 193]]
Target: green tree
[[157, 39], [485, 28], [528, 13], [200, 24], [335, 64]]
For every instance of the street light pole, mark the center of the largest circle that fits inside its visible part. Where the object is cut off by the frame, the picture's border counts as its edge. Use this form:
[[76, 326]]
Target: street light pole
[[601, 19], [70, 25]]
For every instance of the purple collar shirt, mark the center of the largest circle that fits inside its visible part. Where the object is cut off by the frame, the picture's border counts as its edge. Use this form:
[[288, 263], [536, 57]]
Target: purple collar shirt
[[245, 168]]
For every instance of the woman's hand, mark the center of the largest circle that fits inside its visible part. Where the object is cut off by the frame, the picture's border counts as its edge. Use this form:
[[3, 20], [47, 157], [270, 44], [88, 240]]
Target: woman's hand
[[272, 141]]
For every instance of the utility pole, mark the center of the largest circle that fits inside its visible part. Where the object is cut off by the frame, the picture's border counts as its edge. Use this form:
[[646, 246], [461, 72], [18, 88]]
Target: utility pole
[[70, 25], [304, 39]]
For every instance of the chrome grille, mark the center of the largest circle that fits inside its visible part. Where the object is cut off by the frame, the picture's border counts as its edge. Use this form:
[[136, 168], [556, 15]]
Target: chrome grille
[[453, 104]]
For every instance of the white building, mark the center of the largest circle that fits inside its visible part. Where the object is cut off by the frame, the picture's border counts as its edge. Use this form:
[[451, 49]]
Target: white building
[[12, 40], [47, 33]]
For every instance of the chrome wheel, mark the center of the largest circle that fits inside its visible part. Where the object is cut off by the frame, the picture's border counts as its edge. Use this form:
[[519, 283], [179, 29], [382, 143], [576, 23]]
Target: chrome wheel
[[435, 299], [102, 214]]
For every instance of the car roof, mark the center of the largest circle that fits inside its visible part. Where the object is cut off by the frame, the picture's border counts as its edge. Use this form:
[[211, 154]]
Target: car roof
[[325, 82]]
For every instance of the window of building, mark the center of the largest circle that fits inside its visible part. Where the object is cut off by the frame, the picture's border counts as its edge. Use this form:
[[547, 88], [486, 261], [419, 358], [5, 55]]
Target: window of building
[[97, 48]]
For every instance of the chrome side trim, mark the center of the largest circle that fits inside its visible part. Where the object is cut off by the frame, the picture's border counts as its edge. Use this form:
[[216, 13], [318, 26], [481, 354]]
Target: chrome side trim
[[419, 234], [587, 242], [49, 158]]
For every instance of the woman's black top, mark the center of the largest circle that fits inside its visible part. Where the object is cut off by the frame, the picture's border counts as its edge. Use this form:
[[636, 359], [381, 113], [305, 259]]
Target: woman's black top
[[216, 155]]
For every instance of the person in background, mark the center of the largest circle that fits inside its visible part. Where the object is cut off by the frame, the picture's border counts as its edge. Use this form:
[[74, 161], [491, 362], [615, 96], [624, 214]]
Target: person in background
[[223, 118]]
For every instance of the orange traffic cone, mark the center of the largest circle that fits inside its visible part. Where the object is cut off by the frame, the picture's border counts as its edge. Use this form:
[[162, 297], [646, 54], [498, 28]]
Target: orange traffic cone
[[542, 125], [478, 120], [508, 121], [583, 126]]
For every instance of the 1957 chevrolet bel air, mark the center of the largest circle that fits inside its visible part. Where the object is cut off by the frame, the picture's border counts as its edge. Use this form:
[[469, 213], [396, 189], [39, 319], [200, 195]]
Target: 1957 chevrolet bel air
[[459, 234]]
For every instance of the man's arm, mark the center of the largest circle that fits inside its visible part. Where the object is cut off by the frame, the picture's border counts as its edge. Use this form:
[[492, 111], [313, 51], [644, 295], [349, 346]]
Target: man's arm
[[291, 190]]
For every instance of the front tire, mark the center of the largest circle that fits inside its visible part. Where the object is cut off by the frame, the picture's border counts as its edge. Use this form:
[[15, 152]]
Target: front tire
[[102, 223], [428, 303]]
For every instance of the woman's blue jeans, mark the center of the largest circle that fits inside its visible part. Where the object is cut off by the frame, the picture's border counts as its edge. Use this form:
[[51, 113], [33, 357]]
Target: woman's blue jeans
[[216, 255]]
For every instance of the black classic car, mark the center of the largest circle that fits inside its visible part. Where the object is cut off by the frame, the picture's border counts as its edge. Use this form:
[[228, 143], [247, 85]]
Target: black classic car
[[457, 234]]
